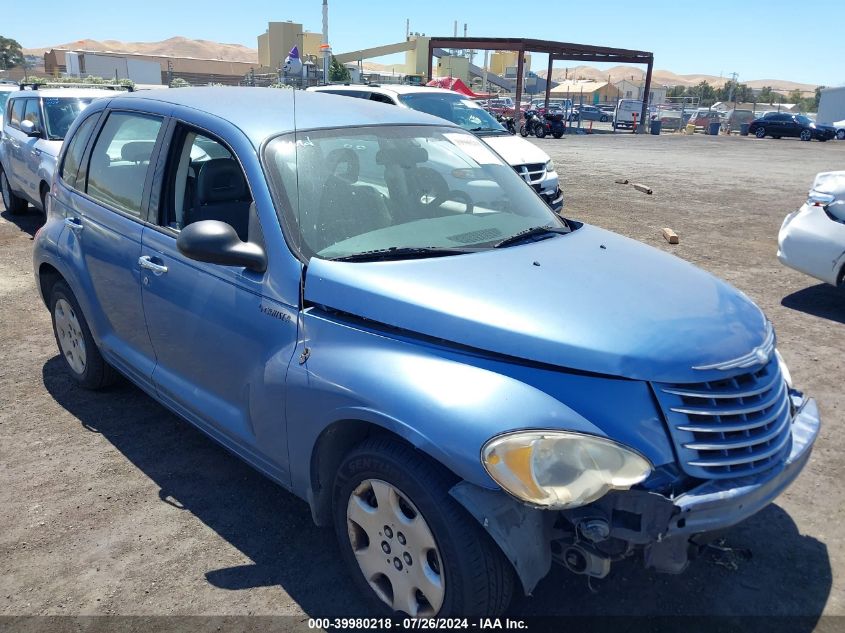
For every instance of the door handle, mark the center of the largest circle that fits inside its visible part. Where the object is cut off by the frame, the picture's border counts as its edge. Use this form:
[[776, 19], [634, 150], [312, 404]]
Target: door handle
[[145, 262], [74, 224]]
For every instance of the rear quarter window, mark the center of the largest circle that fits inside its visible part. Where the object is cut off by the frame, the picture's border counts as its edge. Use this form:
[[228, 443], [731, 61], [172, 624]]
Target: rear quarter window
[[69, 171]]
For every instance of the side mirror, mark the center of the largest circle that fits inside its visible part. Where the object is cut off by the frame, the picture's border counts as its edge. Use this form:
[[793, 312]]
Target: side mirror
[[216, 242], [30, 129]]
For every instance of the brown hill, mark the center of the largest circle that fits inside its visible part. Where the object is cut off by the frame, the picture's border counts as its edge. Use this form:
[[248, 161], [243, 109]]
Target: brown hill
[[174, 46], [667, 77]]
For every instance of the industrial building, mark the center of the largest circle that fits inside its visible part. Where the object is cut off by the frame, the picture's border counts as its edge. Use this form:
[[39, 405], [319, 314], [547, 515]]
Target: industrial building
[[586, 91], [280, 37], [195, 71]]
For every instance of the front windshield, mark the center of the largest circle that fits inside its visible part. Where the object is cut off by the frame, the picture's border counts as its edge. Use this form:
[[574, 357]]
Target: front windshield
[[804, 120], [60, 112], [454, 108], [348, 191]]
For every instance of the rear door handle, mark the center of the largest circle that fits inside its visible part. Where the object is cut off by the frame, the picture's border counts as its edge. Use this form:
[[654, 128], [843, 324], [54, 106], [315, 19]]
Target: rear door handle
[[74, 224], [146, 262]]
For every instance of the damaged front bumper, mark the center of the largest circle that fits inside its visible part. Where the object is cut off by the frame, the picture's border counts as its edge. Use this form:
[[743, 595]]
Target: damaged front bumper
[[586, 540]]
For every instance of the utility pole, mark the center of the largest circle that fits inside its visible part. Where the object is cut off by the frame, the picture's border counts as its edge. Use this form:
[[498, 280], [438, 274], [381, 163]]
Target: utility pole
[[326, 48], [733, 86]]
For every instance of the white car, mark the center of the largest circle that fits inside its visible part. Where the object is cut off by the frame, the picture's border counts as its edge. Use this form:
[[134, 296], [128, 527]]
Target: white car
[[812, 239], [529, 161], [840, 129], [34, 124]]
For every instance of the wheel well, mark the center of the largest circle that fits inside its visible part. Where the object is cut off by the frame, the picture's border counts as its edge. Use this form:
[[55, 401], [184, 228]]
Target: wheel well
[[840, 280], [334, 443], [47, 277]]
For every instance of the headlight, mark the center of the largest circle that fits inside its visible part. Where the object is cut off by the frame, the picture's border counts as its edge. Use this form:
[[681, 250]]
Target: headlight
[[784, 370], [560, 469], [550, 166]]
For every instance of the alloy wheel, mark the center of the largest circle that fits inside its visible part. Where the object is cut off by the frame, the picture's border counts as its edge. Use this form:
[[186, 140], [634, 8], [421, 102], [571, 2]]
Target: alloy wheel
[[395, 549], [71, 339], [761, 132], [806, 135]]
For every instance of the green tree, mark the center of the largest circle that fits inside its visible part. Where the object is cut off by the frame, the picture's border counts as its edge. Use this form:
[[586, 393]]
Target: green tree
[[817, 97], [705, 92], [338, 72], [11, 54], [677, 91], [794, 96], [179, 83]]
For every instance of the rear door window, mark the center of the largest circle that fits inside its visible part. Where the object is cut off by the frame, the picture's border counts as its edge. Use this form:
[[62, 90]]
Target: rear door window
[[32, 112], [120, 160]]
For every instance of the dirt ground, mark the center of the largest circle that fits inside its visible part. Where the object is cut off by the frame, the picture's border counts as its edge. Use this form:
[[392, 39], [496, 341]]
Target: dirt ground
[[111, 505]]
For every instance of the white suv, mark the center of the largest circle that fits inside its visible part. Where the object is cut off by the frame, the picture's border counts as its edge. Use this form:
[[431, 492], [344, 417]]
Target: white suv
[[529, 161], [34, 126]]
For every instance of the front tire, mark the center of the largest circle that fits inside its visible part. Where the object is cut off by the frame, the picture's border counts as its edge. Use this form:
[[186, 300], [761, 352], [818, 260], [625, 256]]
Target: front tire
[[13, 203], [760, 132], [840, 135], [523, 130], [409, 545], [806, 135], [540, 131], [76, 345]]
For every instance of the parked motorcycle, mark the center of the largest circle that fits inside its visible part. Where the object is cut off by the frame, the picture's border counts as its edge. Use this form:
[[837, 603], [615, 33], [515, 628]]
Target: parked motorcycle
[[533, 124], [507, 122], [554, 119]]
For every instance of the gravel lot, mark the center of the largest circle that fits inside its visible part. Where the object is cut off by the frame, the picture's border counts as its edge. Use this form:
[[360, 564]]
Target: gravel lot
[[111, 505]]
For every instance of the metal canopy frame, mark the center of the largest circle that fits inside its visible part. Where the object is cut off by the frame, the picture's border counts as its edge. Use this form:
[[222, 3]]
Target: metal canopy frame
[[557, 51]]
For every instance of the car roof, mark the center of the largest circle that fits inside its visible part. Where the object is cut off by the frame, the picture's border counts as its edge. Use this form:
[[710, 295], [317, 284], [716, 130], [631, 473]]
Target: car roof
[[264, 112], [67, 92], [399, 89]]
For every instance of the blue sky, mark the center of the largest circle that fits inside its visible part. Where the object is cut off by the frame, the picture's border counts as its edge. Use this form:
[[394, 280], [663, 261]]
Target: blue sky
[[758, 39]]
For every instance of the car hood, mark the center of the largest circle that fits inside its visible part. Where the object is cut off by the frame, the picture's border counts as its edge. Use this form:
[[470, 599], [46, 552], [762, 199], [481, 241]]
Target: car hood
[[515, 150], [590, 300]]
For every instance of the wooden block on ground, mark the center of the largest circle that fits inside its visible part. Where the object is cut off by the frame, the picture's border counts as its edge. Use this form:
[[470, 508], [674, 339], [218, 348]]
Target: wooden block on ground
[[621, 181], [642, 188], [670, 236]]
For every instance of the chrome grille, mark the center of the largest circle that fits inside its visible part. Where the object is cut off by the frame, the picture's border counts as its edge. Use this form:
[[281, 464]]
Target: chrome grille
[[732, 426], [531, 172]]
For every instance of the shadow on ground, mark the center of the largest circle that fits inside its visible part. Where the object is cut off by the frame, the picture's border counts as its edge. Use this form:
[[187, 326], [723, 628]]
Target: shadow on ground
[[822, 300], [28, 222], [782, 574]]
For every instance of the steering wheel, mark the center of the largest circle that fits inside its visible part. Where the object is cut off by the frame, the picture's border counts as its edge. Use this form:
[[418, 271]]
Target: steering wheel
[[461, 196]]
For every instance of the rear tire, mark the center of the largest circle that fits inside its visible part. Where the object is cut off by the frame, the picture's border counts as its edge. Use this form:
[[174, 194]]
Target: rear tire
[[557, 134], [76, 345], [393, 514], [540, 131], [14, 204]]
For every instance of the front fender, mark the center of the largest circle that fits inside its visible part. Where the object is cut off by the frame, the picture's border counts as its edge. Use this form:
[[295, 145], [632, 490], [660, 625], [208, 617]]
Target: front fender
[[445, 403]]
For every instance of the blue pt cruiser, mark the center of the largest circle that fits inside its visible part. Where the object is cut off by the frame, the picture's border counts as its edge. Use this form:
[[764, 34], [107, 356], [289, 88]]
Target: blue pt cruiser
[[369, 306]]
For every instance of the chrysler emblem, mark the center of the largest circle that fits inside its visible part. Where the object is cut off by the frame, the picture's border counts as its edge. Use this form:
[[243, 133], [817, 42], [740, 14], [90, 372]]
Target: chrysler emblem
[[758, 356]]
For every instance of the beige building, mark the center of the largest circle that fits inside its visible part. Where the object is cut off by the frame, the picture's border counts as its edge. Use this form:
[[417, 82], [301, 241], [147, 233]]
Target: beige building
[[504, 63], [593, 92], [452, 66], [275, 43], [629, 89]]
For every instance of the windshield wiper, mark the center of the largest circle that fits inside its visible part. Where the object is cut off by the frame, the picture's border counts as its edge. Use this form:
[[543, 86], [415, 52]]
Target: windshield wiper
[[396, 252], [488, 129], [534, 231]]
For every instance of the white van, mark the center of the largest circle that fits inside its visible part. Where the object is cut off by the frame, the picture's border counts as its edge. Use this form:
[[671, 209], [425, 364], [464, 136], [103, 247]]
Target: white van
[[625, 110]]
